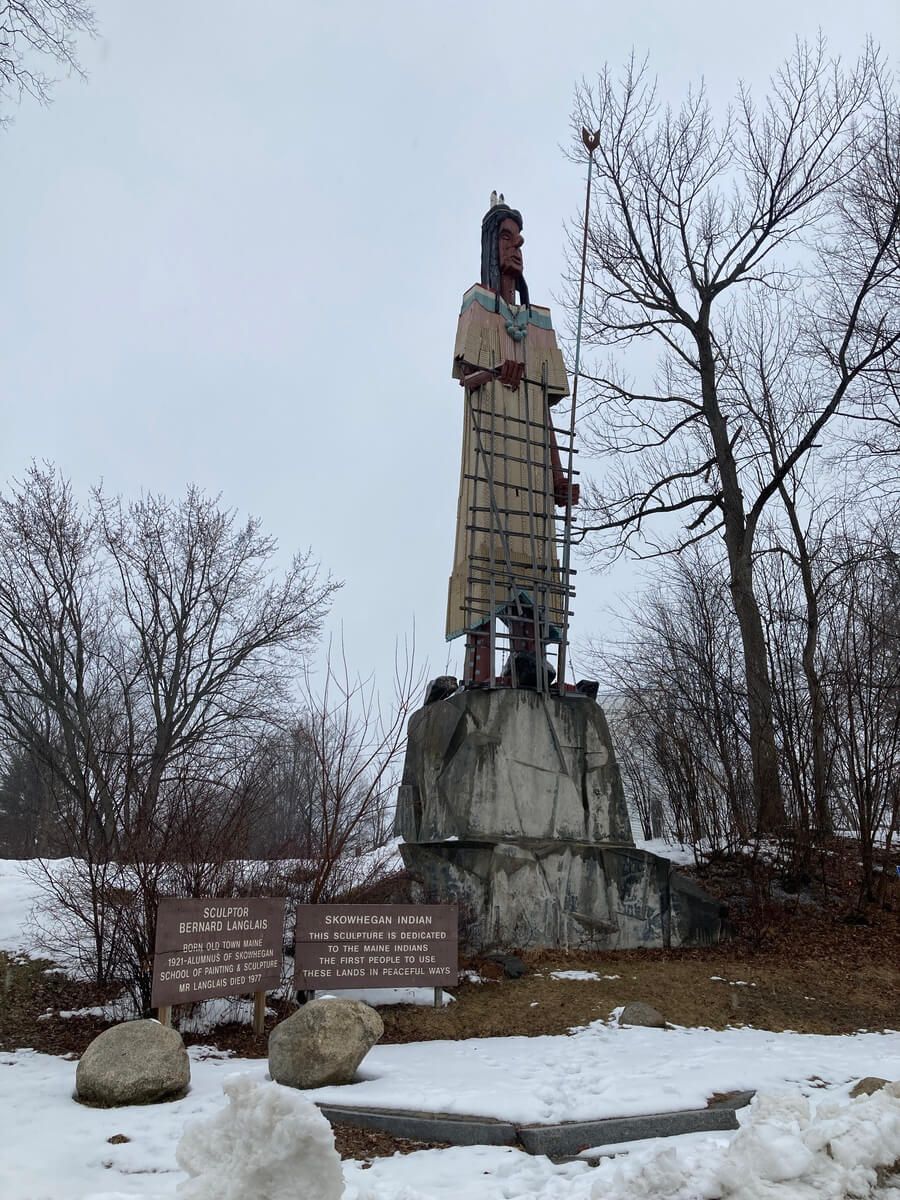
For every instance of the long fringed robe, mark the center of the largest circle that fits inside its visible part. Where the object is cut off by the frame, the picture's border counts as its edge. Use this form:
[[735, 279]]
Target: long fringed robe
[[505, 555]]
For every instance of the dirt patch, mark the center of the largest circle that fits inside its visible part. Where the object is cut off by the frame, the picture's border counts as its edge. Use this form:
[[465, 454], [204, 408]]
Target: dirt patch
[[693, 988], [32, 993], [366, 1144]]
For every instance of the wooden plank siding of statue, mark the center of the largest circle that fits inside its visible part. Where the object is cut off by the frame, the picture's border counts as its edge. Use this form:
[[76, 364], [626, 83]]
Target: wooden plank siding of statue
[[505, 545]]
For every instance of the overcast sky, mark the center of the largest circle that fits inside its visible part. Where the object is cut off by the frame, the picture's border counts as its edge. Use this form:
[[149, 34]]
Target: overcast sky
[[235, 255]]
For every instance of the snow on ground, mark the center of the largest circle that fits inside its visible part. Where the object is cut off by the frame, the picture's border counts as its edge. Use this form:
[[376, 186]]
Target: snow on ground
[[779, 1153], [801, 1140], [377, 997], [122, 1009], [581, 975], [679, 853], [52, 1148], [18, 894], [606, 1071], [203, 1018]]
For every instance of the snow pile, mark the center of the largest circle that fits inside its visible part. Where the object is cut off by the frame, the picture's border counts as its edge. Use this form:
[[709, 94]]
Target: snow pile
[[268, 1142], [781, 1152], [378, 997], [54, 1149]]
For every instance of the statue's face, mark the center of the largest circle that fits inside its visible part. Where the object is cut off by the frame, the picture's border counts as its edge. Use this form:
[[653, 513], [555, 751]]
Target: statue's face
[[510, 237]]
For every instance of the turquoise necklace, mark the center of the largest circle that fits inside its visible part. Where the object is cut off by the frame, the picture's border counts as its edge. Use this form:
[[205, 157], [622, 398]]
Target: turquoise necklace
[[517, 323]]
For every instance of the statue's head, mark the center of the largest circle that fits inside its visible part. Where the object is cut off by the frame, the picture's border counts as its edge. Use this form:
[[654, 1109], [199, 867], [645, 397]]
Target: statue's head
[[501, 247]]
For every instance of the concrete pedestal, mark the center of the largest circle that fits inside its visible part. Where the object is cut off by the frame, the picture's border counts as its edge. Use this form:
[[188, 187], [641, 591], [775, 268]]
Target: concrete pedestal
[[511, 804]]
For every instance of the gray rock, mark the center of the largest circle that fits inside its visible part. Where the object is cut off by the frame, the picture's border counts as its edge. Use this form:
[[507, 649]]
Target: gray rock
[[440, 688], [323, 1043], [868, 1086], [513, 967], [638, 1013], [137, 1062]]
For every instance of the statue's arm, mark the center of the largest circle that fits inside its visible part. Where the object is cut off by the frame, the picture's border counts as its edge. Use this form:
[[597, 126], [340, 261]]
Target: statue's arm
[[510, 374], [560, 476]]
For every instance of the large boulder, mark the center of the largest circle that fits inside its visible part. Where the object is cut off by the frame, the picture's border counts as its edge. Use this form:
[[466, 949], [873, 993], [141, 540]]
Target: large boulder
[[636, 1012], [323, 1043], [138, 1062]]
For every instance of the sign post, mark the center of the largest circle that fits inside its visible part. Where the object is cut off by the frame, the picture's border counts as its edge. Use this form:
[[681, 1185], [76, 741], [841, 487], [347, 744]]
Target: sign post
[[216, 947], [377, 946]]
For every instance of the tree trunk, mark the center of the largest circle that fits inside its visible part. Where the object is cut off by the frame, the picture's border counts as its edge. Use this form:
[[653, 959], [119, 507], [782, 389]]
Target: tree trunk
[[763, 751], [739, 545], [813, 682]]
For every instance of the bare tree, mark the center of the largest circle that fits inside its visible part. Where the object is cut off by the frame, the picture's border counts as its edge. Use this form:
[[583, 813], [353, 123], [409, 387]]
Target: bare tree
[[680, 721], [26, 817], [704, 239], [357, 740], [287, 770], [864, 678], [680, 710], [144, 651], [32, 31], [206, 640], [643, 781]]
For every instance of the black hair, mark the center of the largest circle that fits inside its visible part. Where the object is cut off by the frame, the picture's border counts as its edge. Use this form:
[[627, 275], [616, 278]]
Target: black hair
[[490, 248]]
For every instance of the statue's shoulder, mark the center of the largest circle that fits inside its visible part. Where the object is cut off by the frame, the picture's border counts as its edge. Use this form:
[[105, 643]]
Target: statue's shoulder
[[481, 301], [483, 297]]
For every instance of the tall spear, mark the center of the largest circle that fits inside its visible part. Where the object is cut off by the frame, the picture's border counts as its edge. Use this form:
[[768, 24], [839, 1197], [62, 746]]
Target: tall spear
[[591, 142]]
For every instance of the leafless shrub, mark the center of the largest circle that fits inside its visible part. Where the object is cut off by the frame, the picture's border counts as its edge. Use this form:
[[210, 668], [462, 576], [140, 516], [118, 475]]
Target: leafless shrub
[[863, 633]]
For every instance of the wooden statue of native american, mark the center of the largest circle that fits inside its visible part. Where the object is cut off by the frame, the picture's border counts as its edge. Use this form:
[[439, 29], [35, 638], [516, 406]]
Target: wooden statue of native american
[[506, 590]]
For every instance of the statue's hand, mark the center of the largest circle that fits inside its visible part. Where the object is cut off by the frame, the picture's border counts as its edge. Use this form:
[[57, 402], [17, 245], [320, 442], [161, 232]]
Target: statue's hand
[[561, 493], [511, 373]]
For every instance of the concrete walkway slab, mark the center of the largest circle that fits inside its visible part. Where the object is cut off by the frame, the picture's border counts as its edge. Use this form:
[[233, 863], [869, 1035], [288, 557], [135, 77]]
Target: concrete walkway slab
[[556, 1141], [426, 1127]]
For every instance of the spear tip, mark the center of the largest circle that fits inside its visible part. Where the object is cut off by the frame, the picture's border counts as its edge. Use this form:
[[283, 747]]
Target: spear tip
[[591, 140]]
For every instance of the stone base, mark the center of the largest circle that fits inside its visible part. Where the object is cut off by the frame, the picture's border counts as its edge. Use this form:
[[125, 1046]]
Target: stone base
[[507, 763], [531, 893]]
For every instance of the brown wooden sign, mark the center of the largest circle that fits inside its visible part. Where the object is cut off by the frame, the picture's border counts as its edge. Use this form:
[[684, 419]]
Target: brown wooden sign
[[376, 945], [207, 948]]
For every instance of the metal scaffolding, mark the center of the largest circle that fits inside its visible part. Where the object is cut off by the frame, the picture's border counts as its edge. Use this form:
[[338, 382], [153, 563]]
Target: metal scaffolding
[[517, 595]]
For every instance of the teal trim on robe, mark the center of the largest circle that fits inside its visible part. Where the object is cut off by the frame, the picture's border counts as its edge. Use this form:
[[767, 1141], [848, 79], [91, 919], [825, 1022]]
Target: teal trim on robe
[[492, 303]]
